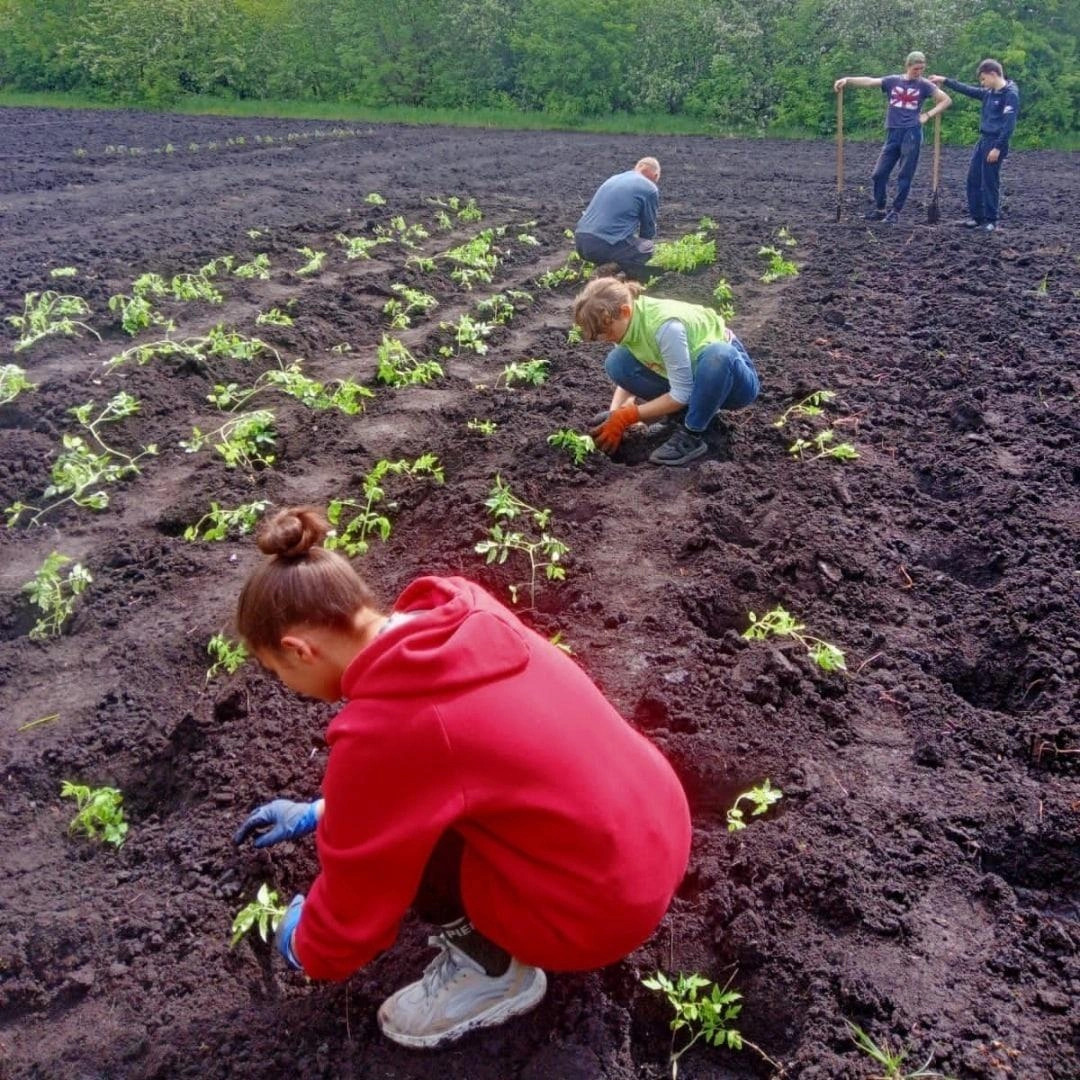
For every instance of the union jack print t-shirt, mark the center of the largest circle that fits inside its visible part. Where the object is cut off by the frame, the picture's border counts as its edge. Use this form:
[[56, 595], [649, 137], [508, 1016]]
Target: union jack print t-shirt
[[905, 97]]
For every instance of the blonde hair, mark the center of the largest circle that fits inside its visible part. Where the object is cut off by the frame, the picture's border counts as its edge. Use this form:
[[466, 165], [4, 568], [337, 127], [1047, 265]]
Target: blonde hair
[[300, 583], [598, 305], [649, 165]]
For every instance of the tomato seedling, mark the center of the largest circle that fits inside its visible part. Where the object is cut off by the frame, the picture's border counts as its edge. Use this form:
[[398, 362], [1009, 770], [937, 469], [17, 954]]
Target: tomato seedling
[[544, 553], [823, 444], [533, 371], [762, 797], [685, 254], [264, 914], [353, 537], [777, 267], [724, 299], [54, 593], [780, 623], [315, 259], [100, 814], [398, 366], [811, 405], [578, 446], [13, 382], [229, 656], [218, 522], [48, 313], [244, 441]]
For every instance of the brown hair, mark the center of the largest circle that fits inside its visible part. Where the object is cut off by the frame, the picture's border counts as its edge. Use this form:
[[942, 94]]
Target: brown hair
[[597, 305], [990, 67], [300, 583]]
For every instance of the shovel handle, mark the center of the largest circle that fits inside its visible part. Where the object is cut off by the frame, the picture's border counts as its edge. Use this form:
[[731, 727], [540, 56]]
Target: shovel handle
[[937, 150], [840, 142]]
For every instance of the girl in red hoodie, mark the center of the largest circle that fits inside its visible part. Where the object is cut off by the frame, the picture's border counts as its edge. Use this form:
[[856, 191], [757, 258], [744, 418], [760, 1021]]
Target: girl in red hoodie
[[476, 775]]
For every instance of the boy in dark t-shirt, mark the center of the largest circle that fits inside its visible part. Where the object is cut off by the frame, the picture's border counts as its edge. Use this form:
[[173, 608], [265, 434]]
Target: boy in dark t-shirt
[[904, 119]]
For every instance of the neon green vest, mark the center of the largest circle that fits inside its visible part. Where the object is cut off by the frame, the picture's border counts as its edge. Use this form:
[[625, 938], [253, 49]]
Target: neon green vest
[[703, 327]]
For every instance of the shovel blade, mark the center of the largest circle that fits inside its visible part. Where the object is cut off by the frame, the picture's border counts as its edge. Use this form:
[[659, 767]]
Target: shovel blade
[[933, 213]]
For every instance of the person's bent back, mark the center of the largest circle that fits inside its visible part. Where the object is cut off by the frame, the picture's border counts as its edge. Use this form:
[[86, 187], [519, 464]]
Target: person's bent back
[[619, 224]]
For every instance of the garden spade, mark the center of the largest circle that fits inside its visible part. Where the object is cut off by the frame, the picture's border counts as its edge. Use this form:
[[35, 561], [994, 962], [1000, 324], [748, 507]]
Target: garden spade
[[839, 153], [933, 214]]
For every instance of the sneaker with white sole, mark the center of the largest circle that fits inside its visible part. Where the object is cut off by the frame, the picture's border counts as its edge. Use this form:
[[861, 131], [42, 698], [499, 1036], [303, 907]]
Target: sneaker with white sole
[[682, 448], [455, 996]]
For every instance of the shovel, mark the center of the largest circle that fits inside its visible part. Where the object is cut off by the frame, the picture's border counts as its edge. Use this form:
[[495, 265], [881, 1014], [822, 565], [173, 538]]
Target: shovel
[[933, 214], [840, 153]]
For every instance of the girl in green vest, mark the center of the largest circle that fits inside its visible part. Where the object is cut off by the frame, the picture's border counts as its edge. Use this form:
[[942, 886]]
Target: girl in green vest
[[673, 356]]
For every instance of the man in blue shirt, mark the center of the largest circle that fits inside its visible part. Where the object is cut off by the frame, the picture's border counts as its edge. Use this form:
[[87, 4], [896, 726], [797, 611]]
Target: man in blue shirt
[[903, 130], [619, 224], [1000, 108]]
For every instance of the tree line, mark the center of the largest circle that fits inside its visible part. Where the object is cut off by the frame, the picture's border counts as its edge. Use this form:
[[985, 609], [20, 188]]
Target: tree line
[[765, 65]]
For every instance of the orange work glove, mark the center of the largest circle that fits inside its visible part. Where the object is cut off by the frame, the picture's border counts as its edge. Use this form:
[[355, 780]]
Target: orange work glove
[[609, 434]]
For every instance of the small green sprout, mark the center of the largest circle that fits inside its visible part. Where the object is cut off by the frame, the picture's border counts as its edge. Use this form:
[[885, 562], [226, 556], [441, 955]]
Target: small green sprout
[[781, 623], [892, 1061], [13, 382], [229, 656], [218, 522], [63, 272], [486, 428], [685, 254], [705, 223], [556, 639], [578, 446], [373, 198], [100, 814], [724, 299], [258, 267], [762, 798], [784, 237], [188, 287], [574, 335], [823, 444], [777, 267], [809, 406], [274, 317], [136, 311], [407, 303], [264, 914], [54, 594], [315, 259]]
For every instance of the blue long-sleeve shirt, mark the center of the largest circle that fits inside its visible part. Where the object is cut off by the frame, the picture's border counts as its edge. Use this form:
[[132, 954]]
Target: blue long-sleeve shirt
[[1000, 108], [624, 205]]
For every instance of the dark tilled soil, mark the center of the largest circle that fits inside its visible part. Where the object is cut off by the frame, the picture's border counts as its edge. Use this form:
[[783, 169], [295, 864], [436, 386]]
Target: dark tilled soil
[[919, 877]]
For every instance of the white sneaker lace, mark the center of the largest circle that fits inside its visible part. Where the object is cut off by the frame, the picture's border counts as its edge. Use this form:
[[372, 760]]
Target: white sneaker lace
[[444, 968]]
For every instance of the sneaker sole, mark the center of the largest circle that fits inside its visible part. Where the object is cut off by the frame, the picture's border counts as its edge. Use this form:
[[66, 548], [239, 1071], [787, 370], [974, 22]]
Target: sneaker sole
[[499, 1013]]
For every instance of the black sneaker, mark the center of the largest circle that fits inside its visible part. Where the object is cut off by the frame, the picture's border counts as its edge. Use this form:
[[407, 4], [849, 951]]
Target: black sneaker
[[874, 214], [682, 448], [891, 218]]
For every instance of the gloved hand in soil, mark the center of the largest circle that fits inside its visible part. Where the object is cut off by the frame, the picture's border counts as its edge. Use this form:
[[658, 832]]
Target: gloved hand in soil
[[610, 433], [286, 928], [285, 819]]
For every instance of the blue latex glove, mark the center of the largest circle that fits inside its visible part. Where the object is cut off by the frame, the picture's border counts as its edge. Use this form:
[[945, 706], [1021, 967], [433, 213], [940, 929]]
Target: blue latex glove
[[286, 928], [286, 820]]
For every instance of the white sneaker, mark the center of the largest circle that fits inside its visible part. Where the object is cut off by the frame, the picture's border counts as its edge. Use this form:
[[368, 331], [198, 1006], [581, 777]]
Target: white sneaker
[[455, 996]]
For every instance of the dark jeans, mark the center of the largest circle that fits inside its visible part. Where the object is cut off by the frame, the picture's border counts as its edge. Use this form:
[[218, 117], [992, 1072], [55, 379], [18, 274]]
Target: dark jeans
[[901, 145], [984, 182], [438, 901], [724, 378], [627, 254]]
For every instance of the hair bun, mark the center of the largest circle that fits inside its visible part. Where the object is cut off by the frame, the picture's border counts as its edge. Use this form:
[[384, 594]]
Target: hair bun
[[292, 533]]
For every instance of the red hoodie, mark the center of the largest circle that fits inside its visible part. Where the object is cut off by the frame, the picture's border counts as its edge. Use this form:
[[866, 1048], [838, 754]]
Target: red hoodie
[[576, 829]]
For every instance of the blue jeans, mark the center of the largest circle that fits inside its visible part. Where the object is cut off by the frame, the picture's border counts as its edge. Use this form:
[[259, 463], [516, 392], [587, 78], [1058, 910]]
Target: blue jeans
[[903, 145], [724, 378], [984, 182]]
